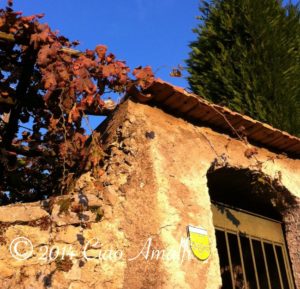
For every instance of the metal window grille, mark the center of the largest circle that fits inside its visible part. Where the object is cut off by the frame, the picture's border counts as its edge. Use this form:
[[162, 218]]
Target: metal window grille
[[252, 251]]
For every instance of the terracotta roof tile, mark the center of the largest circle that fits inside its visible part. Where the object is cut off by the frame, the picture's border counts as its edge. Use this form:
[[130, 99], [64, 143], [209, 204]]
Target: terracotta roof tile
[[193, 107]]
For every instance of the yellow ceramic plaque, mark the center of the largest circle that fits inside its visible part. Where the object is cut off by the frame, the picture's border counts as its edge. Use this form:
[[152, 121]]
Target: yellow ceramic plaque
[[199, 242]]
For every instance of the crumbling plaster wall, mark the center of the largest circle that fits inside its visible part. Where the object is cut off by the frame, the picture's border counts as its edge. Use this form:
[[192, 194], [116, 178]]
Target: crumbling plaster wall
[[180, 156], [153, 187], [171, 185]]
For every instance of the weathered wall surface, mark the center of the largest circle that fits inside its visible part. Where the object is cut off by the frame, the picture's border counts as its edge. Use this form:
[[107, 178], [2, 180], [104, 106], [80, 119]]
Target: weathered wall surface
[[154, 186], [181, 156]]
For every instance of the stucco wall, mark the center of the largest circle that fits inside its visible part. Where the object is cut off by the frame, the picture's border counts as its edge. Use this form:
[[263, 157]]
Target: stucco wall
[[154, 185], [182, 154]]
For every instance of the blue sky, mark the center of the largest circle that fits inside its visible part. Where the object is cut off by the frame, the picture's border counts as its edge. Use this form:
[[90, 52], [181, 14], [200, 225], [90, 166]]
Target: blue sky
[[142, 32]]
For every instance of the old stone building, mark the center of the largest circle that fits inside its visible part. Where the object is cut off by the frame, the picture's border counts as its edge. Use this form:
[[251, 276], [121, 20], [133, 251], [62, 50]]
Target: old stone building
[[173, 161]]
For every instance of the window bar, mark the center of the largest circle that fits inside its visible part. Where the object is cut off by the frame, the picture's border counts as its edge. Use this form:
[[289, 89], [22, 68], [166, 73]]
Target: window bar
[[229, 258], [254, 263], [278, 267], [288, 267], [242, 260], [266, 264]]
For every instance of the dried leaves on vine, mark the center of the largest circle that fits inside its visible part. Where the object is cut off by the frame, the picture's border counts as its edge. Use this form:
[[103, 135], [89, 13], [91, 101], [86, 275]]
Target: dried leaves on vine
[[45, 91]]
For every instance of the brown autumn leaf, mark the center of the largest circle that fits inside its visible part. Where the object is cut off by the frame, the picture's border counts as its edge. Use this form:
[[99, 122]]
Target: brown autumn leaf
[[109, 70], [110, 58], [49, 80], [86, 61], [65, 57], [101, 51], [74, 115], [67, 103], [47, 54], [40, 15], [144, 76], [62, 71], [39, 38], [175, 72], [29, 18], [89, 99], [89, 86]]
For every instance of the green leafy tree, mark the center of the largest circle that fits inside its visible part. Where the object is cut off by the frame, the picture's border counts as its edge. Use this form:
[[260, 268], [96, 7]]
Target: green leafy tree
[[247, 57]]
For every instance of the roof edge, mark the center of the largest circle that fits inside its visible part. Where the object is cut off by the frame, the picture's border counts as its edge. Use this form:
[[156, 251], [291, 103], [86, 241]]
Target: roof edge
[[193, 107]]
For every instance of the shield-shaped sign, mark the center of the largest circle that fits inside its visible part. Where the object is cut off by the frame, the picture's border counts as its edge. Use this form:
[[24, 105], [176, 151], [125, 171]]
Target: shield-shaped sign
[[199, 242]]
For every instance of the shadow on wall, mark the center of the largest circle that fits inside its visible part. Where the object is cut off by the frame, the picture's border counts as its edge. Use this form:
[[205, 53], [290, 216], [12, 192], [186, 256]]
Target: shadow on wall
[[249, 190]]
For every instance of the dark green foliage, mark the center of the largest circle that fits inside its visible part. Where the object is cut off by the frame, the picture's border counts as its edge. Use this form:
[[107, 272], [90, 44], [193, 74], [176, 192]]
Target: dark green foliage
[[247, 57]]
